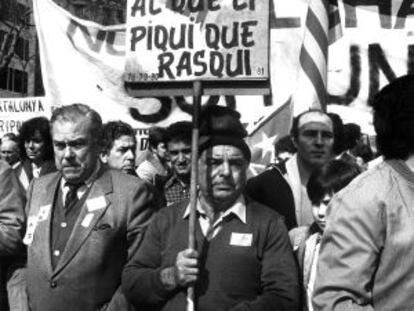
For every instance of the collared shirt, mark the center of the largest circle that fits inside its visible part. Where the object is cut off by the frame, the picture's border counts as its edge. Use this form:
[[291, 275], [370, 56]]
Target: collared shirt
[[309, 266], [36, 170], [175, 190], [22, 175], [210, 230], [81, 191]]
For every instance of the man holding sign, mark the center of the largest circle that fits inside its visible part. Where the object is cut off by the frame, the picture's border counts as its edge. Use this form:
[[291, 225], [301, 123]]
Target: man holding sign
[[243, 259]]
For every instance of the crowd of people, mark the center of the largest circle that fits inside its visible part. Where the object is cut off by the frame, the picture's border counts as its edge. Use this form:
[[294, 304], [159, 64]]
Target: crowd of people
[[83, 227]]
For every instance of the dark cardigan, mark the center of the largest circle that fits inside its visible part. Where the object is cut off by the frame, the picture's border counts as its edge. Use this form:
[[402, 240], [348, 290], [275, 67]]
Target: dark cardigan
[[262, 276], [271, 189]]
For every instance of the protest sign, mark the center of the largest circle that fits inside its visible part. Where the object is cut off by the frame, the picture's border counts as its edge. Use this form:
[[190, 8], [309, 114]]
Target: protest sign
[[84, 62], [14, 111], [192, 39]]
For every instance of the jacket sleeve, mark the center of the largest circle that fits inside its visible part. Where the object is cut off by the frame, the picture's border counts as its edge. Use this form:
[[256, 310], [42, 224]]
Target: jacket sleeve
[[350, 249], [118, 302], [279, 275], [270, 188], [12, 216], [140, 214], [16, 287], [141, 280]]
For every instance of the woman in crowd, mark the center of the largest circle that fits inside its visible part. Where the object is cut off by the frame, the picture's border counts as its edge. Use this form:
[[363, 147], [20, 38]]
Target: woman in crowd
[[37, 150]]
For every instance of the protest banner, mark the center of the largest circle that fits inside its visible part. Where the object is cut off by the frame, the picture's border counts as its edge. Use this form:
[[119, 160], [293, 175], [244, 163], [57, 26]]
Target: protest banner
[[376, 46], [14, 111], [192, 39], [84, 62]]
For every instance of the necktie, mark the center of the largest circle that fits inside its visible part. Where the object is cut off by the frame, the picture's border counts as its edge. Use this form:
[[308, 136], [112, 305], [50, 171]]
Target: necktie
[[71, 197]]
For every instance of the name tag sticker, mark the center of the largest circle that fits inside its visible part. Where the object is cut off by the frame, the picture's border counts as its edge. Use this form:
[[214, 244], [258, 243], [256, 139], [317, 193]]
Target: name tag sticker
[[95, 204], [43, 212], [241, 239], [31, 226], [87, 220]]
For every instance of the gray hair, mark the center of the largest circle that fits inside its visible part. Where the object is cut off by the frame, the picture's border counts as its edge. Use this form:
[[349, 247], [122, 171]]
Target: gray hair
[[72, 113]]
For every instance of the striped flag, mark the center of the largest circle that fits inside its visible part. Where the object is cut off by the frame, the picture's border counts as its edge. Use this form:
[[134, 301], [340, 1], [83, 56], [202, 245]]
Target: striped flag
[[323, 27]]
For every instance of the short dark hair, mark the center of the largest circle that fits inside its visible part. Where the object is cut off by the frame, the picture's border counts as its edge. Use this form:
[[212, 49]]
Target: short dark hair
[[330, 178], [113, 130], [352, 132], [180, 131], [156, 136], [365, 152], [71, 113], [285, 144], [338, 129], [28, 130], [394, 117]]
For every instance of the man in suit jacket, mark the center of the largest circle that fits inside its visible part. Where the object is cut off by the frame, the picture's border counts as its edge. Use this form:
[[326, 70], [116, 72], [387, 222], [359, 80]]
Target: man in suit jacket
[[84, 221], [12, 202]]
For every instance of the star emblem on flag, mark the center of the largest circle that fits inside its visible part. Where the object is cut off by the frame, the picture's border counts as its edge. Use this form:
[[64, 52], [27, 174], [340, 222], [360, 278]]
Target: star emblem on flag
[[266, 145], [263, 137]]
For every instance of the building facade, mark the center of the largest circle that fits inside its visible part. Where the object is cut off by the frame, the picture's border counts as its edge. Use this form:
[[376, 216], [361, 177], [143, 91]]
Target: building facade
[[105, 12], [20, 74], [17, 49]]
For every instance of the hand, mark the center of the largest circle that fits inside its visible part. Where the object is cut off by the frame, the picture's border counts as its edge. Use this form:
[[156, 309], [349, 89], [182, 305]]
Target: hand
[[186, 267]]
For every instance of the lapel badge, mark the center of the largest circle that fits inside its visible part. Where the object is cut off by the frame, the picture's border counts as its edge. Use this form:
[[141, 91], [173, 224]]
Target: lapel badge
[[87, 220], [95, 204], [31, 227], [241, 239], [44, 212]]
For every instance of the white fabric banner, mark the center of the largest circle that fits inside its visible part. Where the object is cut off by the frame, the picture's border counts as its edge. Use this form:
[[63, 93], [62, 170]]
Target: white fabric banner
[[14, 111], [84, 62]]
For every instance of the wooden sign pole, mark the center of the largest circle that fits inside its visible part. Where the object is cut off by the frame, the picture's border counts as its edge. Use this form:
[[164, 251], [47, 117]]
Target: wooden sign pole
[[197, 93]]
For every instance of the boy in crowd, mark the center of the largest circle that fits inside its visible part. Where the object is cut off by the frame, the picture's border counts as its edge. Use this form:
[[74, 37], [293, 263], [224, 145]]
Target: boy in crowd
[[322, 185]]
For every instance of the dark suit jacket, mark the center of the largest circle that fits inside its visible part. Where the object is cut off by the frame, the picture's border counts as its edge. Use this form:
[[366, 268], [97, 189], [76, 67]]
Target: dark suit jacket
[[271, 189], [88, 274], [12, 219]]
